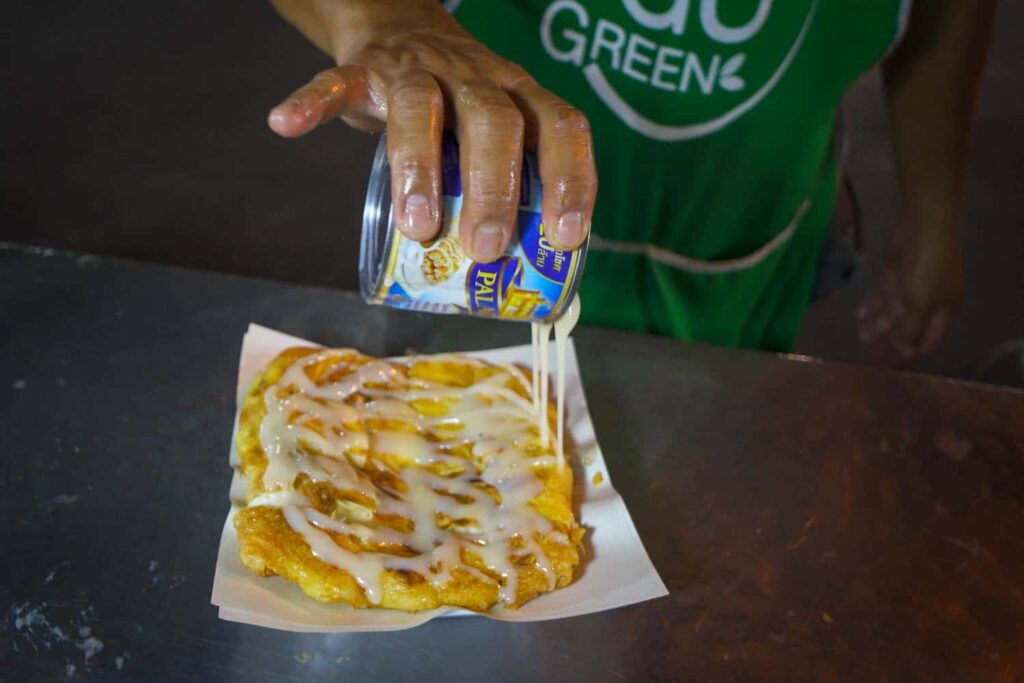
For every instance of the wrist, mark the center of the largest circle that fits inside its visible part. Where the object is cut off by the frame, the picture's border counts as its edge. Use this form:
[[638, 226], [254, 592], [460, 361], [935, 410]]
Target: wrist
[[356, 24], [934, 222]]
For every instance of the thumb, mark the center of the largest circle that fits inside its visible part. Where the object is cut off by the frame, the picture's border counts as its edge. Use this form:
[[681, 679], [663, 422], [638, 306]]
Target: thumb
[[340, 91]]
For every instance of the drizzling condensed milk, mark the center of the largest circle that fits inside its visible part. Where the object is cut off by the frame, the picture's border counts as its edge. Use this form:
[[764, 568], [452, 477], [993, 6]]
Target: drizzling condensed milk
[[541, 334]]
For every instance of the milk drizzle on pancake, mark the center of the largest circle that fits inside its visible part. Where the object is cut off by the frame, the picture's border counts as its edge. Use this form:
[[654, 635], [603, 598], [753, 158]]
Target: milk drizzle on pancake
[[541, 333], [309, 429]]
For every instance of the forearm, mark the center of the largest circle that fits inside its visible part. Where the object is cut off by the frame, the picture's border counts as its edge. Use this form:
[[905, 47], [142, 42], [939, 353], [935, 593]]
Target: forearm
[[932, 84], [342, 28]]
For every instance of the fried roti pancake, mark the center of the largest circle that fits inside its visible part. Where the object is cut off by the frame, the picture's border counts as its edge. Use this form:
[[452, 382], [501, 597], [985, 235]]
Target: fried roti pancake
[[407, 484]]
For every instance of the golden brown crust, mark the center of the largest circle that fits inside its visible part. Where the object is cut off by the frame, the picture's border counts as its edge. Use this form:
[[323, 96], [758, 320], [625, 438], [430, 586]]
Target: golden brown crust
[[269, 546]]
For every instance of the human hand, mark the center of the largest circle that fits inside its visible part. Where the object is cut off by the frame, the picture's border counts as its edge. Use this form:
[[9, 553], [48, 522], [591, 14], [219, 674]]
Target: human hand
[[411, 69], [919, 293]]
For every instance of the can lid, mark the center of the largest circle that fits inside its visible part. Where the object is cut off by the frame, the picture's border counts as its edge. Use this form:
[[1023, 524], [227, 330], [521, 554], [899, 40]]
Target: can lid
[[377, 224]]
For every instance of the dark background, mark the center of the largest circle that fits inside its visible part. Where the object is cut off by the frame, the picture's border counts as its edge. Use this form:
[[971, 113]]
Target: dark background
[[137, 129]]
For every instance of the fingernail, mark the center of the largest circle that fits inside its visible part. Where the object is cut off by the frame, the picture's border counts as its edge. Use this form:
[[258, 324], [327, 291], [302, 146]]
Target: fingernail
[[418, 221], [278, 116], [487, 242], [570, 228], [289, 111]]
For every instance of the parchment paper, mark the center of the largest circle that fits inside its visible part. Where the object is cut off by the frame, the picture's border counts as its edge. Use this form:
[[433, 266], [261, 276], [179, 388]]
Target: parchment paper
[[615, 571]]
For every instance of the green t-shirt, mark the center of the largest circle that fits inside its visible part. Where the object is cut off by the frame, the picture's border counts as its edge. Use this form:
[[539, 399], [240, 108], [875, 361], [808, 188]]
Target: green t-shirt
[[713, 125]]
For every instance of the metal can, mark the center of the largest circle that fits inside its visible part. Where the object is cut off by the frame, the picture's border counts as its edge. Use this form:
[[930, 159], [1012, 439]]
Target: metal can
[[532, 281]]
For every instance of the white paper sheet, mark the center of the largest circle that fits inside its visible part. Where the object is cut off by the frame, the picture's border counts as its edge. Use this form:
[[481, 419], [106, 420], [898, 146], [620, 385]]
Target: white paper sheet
[[615, 571]]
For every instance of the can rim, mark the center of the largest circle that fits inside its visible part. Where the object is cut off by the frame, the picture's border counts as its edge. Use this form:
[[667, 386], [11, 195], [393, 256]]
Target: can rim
[[377, 222]]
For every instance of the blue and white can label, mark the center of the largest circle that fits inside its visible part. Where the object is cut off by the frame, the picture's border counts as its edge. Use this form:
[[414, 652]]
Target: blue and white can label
[[532, 281]]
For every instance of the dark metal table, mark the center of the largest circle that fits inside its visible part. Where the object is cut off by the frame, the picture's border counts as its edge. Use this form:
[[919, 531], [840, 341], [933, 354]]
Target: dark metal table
[[813, 521]]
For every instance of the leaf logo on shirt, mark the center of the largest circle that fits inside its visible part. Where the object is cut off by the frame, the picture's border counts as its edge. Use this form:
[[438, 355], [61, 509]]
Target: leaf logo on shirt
[[727, 78]]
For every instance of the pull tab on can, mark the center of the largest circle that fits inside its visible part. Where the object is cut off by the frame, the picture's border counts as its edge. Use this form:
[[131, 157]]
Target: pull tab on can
[[531, 282]]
